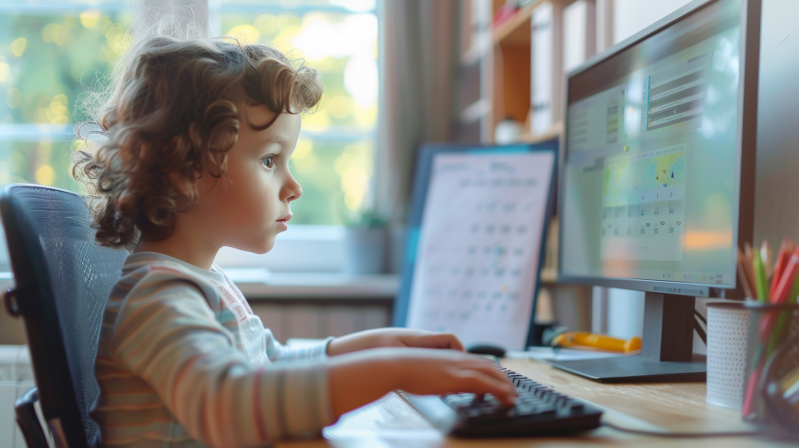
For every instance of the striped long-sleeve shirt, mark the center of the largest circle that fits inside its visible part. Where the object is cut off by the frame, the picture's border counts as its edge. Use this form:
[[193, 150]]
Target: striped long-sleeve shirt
[[183, 362]]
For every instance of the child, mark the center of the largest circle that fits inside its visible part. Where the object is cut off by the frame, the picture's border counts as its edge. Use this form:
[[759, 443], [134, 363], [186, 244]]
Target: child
[[197, 134]]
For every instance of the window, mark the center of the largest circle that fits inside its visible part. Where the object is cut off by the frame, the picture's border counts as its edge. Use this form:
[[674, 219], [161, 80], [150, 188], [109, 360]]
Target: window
[[333, 160], [48, 51], [52, 50]]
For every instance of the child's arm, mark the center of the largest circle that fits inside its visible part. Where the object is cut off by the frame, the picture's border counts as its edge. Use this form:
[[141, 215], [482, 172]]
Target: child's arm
[[359, 378], [392, 337], [363, 340], [286, 353], [166, 335]]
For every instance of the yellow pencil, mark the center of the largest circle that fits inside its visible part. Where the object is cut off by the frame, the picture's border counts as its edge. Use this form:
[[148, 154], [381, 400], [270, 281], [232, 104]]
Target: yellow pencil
[[749, 265], [765, 255], [745, 280]]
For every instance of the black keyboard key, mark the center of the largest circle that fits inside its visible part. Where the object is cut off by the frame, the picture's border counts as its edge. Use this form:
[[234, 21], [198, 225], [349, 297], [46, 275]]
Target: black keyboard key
[[538, 410], [545, 410]]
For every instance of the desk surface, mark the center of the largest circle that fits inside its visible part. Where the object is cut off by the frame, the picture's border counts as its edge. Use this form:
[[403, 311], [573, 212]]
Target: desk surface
[[391, 422]]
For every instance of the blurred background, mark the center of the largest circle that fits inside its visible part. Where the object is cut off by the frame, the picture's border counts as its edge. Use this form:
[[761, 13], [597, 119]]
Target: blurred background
[[396, 73], [334, 271], [54, 50]]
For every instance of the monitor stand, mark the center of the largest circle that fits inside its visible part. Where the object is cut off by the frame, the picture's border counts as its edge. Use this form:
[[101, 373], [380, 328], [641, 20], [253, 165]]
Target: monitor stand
[[666, 352]]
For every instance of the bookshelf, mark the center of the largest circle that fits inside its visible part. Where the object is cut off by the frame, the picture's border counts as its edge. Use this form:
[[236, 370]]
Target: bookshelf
[[513, 65], [521, 59]]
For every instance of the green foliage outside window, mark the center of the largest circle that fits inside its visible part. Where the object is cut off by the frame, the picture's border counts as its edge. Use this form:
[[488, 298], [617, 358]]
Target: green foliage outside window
[[45, 60], [48, 59], [334, 159]]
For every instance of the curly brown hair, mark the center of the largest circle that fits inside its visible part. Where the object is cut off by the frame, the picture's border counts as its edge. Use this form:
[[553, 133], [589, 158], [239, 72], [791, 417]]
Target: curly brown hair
[[168, 117]]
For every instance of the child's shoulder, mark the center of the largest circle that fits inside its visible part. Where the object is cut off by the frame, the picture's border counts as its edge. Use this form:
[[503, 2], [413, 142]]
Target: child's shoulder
[[176, 295], [148, 273]]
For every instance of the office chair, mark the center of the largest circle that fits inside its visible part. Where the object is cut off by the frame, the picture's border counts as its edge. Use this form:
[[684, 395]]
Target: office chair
[[62, 281]]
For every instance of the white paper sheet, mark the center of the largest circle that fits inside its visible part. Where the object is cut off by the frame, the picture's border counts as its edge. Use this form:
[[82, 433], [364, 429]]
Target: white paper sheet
[[559, 354], [479, 247]]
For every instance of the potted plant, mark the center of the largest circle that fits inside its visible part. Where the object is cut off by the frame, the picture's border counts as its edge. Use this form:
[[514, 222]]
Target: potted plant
[[364, 241]]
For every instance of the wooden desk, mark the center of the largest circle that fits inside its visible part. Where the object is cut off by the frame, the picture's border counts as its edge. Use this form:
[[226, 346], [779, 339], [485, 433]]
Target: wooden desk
[[391, 422]]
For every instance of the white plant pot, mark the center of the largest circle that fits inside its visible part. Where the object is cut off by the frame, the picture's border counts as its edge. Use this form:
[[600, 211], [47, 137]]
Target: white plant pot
[[364, 250]]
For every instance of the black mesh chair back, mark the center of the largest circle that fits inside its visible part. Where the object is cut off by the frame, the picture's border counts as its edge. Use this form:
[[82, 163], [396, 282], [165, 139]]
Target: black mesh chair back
[[62, 282]]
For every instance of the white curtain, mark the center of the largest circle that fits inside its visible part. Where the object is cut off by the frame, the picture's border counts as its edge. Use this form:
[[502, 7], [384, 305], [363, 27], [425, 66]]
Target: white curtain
[[419, 55], [184, 10]]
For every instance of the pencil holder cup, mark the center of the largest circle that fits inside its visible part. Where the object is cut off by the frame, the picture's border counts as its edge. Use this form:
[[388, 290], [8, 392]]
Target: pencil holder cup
[[727, 330], [771, 395]]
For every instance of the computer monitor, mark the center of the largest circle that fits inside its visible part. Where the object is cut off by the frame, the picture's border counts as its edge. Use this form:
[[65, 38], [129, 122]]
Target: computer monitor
[[657, 181]]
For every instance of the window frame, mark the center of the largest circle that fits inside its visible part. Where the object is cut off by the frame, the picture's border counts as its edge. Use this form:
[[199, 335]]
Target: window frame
[[307, 248]]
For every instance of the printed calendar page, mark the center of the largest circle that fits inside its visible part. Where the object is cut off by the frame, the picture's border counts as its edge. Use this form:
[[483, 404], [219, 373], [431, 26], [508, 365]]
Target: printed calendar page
[[479, 245]]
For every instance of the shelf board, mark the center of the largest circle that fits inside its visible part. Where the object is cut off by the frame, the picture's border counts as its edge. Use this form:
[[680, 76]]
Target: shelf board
[[516, 31], [553, 132]]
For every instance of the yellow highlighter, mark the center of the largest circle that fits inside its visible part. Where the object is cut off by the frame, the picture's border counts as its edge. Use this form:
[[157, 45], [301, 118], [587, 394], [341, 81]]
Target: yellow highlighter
[[578, 339]]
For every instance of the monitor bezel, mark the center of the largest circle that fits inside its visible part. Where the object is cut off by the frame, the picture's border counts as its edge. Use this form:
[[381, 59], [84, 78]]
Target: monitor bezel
[[746, 146]]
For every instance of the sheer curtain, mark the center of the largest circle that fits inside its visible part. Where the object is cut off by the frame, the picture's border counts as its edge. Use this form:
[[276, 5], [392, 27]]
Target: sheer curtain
[[190, 10], [419, 54]]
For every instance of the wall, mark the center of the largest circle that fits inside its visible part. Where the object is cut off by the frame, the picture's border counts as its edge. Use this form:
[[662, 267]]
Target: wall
[[777, 182], [631, 16]]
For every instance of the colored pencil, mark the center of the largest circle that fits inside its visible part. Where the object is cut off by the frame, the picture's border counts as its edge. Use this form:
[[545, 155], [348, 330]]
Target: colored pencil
[[785, 282], [751, 389], [765, 255], [761, 284], [778, 332], [744, 275], [750, 268], [754, 376], [795, 291], [786, 248], [782, 291], [782, 287]]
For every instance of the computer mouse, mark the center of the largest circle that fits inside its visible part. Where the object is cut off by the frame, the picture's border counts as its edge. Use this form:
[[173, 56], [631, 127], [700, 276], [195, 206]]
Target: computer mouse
[[486, 349]]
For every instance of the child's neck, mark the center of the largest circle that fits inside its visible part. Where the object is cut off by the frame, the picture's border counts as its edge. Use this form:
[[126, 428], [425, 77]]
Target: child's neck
[[194, 251]]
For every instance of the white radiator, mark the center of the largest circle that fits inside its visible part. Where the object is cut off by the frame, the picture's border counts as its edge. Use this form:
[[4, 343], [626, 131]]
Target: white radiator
[[16, 378]]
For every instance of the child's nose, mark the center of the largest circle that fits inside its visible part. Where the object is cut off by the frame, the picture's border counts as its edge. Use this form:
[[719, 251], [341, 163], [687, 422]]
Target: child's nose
[[293, 190]]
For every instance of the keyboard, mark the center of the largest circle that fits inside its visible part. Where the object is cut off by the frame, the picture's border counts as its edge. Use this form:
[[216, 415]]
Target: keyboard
[[539, 410]]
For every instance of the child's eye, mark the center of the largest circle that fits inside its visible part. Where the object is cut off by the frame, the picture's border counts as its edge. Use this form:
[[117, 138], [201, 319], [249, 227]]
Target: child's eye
[[268, 161]]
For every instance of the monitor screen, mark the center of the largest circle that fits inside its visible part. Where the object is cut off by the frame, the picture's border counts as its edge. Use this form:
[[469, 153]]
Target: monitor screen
[[652, 156]]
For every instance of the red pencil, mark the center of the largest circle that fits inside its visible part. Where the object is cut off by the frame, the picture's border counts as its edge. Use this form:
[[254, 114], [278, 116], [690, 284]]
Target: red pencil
[[786, 247], [781, 293], [786, 279]]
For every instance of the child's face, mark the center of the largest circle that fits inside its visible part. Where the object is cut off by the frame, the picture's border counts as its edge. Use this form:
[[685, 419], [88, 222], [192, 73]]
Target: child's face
[[249, 205]]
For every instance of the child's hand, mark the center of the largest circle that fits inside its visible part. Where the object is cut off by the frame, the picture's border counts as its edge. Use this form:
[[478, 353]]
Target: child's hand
[[392, 337], [359, 378]]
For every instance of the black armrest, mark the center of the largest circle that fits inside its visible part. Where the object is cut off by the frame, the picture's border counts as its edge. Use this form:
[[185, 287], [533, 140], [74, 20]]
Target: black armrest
[[28, 421]]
